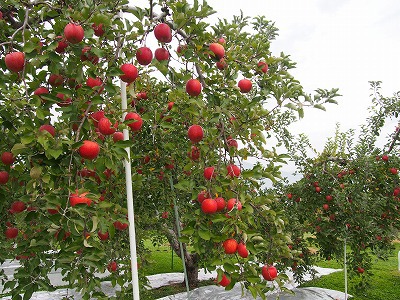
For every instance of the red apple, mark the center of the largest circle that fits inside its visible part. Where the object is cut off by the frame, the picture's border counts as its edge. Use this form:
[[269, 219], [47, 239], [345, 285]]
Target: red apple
[[11, 232], [41, 91], [144, 56], [98, 29], [130, 73], [220, 203], [86, 54], [64, 101], [360, 270], [262, 67], [232, 143], [221, 40], [74, 33], [170, 105], [325, 206], [7, 158], [15, 61], [218, 50], [209, 173], [195, 133], [233, 202], [221, 64], [56, 80], [163, 33], [89, 150], [103, 236], [394, 171], [233, 170], [161, 54], [244, 85], [242, 250], [112, 266], [209, 206], [194, 153], [120, 226], [193, 87], [328, 198], [385, 157], [94, 82], [224, 281], [230, 246], [269, 272], [317, 189], [118, 136], [50, 129], [76, 198], [18, 206], [105, 126], [136, 123], [62, 44], [202, 196], [290, 196], [96, 117], [4, 177]]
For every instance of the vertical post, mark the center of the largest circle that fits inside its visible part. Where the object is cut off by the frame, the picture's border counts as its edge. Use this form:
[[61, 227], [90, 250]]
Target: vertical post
[[129, 198], [178, 229], [345, 270], [398, 256]]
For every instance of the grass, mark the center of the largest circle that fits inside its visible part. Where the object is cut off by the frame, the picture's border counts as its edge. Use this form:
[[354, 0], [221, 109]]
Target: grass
[[384, 283]]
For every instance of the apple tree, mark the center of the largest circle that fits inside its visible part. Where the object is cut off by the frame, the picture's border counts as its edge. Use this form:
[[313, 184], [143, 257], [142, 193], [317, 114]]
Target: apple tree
[[349, 193], [209, 99]]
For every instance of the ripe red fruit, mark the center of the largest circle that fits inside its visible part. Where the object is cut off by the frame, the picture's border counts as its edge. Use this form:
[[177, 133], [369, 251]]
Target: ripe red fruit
[[7, 158], [4, 177], [194, 153], [244, 85], [193, 87], [170, 105], [18, 206], [232, 203], [269, 272], [209, 173], [218, 50], [220, 203], [15, 61], [112, 266], [360, 270], [64, 101], [96, 117], [202, 196], [224, 281], [118, 136], [74, 33], [162, 32], [130, 73], [75, 199], [98, 29], [325, 206], [164, 215], [94, 82], [11, 232], [41, 91], [86, 54], [262, 67], [103, 236], [394, 171], [233, 143], [195, 133], [221, 40], [137, 122], [120, 226], [61, 45], [317, 189], [144, 56], [209, 206], [242, 250], [233, 170], [161, 54], [50, 129], [290, 196], [105, 126], [221, 64], [385, 157], [328, 198], [55, 80], [89, 149], [230, 246]]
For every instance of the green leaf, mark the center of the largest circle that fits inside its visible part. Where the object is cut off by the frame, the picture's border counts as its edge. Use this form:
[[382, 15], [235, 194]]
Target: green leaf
[[205, 234], [18, 149]]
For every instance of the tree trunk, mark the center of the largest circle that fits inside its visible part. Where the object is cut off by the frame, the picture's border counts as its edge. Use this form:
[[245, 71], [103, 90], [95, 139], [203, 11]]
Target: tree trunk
[[191, 259]]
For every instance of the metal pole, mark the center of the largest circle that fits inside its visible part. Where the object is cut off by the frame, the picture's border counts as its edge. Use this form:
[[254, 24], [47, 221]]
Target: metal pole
[[129, 198], [178, 229]]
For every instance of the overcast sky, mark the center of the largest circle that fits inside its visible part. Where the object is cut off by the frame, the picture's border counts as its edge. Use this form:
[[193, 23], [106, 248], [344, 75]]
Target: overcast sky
[[337, 44]]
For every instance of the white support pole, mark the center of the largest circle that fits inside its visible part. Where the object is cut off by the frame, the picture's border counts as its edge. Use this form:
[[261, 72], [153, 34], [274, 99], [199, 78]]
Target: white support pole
[[345, 270], [398, 256], [129, 198]]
